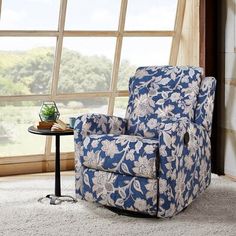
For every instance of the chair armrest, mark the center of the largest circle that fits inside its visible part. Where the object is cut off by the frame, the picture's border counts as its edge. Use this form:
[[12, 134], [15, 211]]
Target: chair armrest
[[99, 124], [184, 164], [205, 103], [92, 124]]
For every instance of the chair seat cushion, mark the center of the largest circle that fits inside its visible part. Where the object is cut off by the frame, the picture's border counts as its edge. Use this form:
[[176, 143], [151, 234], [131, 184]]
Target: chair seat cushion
[[123, 154]]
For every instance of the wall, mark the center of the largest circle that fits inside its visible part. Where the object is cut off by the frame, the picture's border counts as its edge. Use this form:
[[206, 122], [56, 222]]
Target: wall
[[228, 62]]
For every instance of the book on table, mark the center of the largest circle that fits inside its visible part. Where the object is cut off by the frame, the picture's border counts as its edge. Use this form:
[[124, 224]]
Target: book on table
[[58, 125]]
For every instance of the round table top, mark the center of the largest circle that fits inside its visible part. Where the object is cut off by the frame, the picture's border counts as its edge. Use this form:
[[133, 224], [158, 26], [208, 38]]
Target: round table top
[[34, 130]]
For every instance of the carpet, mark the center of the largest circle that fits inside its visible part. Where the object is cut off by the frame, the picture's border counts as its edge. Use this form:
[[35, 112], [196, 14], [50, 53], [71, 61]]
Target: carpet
[[213, 213]]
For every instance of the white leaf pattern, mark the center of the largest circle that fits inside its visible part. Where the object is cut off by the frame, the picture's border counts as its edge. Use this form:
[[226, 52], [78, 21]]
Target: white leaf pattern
[[122, 193], [138, 146], [125, 168], [164, 81], [86, 180], [119, 202], [167, 139], [137, 186]]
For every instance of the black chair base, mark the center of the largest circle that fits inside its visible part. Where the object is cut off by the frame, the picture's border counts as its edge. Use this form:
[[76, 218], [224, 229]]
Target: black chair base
[[129, 213]]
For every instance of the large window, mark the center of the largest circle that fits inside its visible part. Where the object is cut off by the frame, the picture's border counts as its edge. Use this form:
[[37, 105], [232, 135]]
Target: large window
[[78, 53]]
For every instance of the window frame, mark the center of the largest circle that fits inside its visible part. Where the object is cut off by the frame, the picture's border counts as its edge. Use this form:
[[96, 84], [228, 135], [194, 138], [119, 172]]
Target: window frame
[[111, 94]]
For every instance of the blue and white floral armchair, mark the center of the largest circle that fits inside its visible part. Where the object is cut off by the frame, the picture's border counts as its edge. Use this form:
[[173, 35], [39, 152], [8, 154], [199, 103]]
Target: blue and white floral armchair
[[157, 160]]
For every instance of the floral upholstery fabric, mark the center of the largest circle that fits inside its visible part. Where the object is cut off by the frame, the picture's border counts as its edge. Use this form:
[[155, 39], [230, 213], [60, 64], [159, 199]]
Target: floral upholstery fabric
[[99, 124], [205, 104], [185, 167], [123, 154], [163, 167], [161, 92], [115, 190]]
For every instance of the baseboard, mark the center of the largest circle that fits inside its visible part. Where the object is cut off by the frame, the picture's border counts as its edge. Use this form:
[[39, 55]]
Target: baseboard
[[34, 167], [231, 177]]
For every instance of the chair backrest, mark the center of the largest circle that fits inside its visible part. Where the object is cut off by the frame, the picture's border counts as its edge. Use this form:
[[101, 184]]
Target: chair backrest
[[161, 92]]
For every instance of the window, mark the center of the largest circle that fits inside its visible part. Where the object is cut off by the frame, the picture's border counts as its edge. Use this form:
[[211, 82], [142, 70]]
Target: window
[[86, 64], [14, 122], [155, 49], [92, 15], [26, 65], [80, 54], [27, 15], [151, 15]]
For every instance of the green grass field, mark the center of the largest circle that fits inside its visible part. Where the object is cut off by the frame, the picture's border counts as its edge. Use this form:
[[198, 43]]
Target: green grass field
[[15, 140]]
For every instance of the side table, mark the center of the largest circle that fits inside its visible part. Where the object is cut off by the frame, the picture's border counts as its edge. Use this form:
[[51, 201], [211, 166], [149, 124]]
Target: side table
[[56, 198]]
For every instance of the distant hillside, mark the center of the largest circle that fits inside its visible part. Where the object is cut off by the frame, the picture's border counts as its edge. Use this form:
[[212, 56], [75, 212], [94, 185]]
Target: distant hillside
[[8, 58], [30, 72]]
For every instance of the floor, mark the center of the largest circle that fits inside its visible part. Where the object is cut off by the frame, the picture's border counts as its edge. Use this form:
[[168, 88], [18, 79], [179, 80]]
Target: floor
[[35, 176], [213, 213]]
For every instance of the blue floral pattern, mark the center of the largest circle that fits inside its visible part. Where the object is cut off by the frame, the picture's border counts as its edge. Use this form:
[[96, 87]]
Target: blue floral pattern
[[123, 154], [122, 191], [157, 160], [205, 103], [185, 168], [99, 124], [161, 92]]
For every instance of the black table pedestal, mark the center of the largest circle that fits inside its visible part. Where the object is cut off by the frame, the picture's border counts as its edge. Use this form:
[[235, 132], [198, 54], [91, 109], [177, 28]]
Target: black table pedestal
[[57, 168], [56, 198]]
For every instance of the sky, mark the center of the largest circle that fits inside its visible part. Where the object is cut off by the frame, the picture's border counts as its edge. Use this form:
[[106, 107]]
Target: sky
[[92, 15]]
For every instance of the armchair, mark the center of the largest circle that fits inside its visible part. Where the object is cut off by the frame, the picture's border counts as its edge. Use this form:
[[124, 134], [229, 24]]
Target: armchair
[[156, 161]]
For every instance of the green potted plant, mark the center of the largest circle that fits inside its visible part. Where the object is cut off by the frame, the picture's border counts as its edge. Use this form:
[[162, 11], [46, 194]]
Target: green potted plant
[[49, 111]]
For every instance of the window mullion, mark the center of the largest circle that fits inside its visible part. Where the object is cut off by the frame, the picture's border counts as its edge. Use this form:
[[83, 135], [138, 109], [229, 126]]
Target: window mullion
[[178, 30], [48, 146], [29, 33], [0, 8], [142, 33], [56, 67], [117, 56]]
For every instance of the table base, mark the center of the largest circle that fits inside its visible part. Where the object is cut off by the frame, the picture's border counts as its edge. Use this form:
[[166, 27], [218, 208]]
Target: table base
[[56, 200]]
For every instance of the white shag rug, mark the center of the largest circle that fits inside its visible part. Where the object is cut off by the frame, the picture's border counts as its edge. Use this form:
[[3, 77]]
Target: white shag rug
[[213, 213]]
